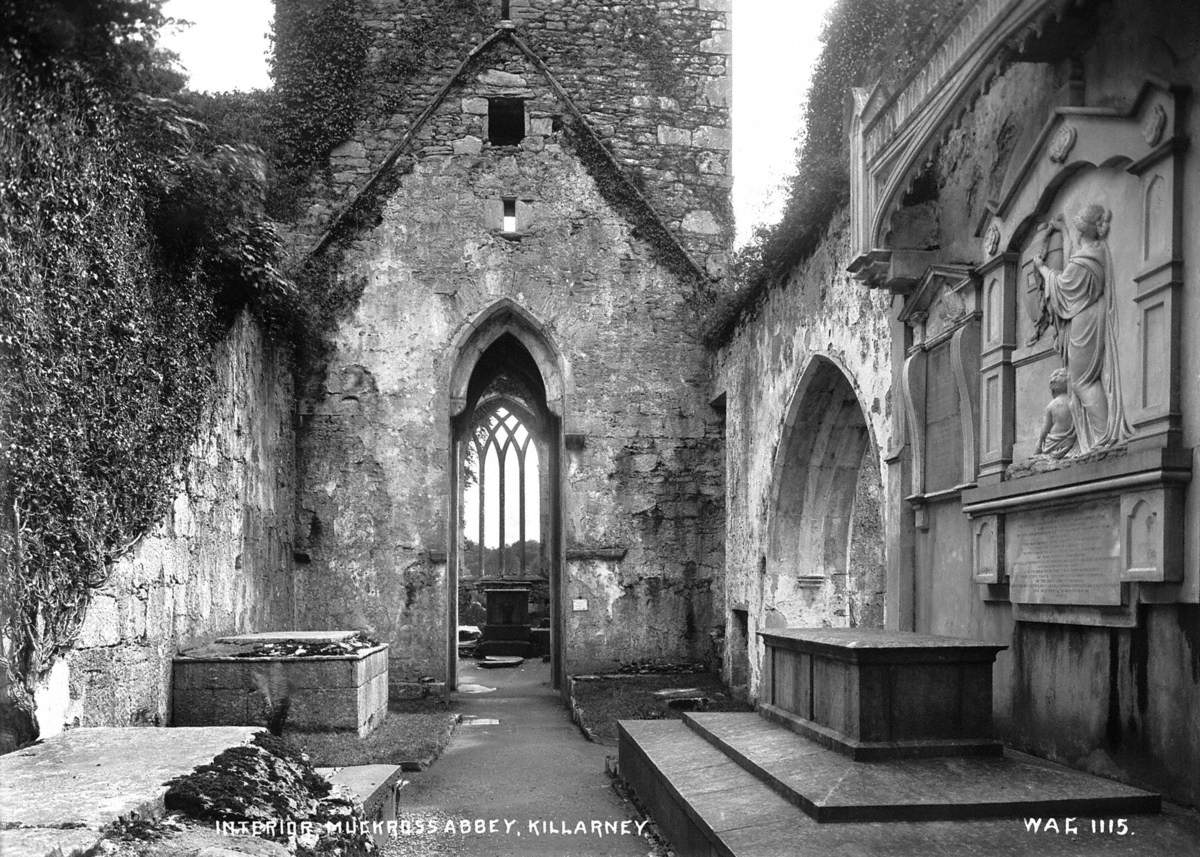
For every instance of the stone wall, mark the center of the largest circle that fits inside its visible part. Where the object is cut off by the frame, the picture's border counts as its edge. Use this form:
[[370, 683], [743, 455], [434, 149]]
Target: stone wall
[[219, 563], [653, 79], [641, 476], [818, 321], [1119, 701]]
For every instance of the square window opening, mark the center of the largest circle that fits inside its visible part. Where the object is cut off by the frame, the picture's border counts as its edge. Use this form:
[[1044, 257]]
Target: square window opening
[[506, 121], [510, 215]]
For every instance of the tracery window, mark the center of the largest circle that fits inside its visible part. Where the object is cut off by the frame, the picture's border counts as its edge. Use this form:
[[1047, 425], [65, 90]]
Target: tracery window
[[502, 502]]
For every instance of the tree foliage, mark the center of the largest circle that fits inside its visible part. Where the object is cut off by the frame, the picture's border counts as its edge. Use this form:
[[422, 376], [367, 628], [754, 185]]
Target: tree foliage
[[863, 41]]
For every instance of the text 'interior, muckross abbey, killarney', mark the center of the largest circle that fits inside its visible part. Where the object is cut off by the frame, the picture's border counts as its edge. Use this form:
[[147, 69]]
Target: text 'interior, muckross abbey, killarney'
[[909, 480]]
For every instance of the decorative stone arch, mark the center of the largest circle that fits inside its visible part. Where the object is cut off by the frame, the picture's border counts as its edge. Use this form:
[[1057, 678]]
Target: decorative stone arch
[[825, 514], [506, 318]]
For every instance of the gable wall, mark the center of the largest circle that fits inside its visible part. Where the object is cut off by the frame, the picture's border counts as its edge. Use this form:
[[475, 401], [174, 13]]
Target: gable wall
[[374, 421]]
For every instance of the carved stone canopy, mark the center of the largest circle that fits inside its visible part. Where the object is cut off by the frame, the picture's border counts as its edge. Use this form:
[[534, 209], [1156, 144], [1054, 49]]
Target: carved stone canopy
[[944, 298]]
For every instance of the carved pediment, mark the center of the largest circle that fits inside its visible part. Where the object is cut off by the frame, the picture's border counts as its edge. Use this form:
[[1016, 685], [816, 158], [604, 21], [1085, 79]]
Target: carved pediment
[[1077, 138], [943, 299]]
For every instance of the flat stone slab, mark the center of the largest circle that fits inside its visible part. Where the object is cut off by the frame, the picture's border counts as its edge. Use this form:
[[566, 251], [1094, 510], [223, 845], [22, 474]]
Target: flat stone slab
[[371, 784], [706, 803], [492, 662], [829, 786], [85, 778], [288, 636], [375, 786], [860, 643]]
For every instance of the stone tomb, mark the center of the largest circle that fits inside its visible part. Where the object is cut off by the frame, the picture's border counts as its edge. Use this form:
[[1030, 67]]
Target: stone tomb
[[858, 726], [507, 631], [878, 694], [213, 685]]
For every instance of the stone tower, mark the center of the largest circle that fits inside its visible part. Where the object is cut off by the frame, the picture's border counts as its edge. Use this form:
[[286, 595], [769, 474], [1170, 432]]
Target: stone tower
[[529, 228]]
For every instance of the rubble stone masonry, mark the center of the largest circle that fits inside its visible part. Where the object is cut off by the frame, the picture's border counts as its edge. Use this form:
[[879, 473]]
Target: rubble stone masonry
[[642, 477]]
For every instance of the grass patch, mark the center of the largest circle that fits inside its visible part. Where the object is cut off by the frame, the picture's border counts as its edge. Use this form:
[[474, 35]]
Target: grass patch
[[413, 731], [603, 701]]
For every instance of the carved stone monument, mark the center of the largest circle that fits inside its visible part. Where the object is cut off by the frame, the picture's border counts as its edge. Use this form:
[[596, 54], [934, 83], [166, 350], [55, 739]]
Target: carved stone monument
[[1078, 502]]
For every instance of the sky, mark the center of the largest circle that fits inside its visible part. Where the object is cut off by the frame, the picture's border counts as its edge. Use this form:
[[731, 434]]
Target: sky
[[775, 44]]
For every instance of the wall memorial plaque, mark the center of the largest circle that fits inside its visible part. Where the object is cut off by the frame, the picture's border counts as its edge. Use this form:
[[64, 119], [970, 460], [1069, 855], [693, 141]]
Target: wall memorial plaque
[[1065, 555]]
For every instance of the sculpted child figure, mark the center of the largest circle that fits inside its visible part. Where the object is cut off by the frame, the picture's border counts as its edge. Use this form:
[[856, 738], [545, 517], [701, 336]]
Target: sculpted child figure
[[1081, 305], [1058, 426]]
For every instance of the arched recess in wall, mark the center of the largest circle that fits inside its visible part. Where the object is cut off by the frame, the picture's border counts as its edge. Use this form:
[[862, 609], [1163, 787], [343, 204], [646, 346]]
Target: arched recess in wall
[[503, 365], [826, 526]]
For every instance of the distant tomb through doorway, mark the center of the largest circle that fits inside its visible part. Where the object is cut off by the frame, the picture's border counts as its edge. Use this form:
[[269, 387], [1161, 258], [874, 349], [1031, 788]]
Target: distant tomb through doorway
[[507, 631]]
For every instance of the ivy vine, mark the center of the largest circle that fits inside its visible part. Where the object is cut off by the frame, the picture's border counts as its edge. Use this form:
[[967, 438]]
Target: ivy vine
[[318, 67], [863, 41], [130, 234]]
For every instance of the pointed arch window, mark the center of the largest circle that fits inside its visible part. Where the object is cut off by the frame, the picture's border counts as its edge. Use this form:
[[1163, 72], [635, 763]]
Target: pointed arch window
[[502, 502]]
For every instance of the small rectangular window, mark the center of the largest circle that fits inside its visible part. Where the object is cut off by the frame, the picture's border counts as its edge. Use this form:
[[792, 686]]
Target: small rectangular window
[[504, 13], [510, 215], [506, 121]]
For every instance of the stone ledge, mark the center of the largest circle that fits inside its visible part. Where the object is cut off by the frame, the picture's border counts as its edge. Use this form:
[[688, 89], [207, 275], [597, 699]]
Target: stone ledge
[[111, 772], [608, 554], [1111, 472], [864, 644]]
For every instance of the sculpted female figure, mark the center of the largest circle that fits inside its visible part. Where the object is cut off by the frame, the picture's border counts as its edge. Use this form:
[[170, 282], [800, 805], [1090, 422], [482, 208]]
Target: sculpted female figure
[[1080, 300]]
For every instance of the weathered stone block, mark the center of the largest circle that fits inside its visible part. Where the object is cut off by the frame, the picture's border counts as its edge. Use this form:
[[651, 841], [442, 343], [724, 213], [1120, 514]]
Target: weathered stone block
[[702, 222], [721, 42], [469, 145], [327, 693], [709, 137], [475, 106], [349, 149], [875, 694], [671, 136], [502, 80]]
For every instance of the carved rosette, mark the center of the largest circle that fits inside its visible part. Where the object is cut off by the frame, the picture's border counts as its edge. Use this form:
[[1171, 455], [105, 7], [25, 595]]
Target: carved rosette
[[991, 241]]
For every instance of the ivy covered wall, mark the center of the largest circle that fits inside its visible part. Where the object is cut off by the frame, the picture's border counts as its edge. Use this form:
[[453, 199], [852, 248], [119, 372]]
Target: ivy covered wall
[[132, 235]]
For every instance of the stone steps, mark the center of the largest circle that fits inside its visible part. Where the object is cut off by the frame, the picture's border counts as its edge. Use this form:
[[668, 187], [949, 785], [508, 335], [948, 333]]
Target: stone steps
[[830, 786], [736, 785], [698, 796]]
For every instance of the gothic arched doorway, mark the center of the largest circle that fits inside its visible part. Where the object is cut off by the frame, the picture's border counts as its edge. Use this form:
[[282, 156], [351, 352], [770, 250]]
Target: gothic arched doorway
[[505, 523]]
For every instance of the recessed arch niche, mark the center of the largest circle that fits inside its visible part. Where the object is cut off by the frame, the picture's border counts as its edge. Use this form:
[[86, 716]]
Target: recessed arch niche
[[825, 542]]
